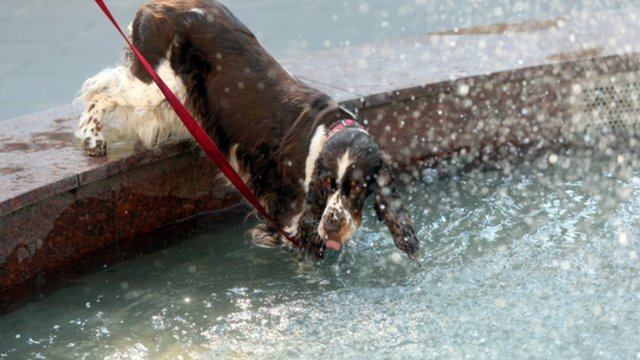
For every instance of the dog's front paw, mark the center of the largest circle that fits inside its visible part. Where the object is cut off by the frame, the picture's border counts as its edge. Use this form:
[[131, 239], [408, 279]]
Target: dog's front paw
[[94, 147], [263, 236], [315, 249]]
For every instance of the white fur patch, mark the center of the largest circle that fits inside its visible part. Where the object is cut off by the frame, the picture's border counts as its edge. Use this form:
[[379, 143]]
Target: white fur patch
[[140, 108], [343, 165], [292, 228], [93, 139], [315, 147], [335, 207], [198, 11], [235, 163]]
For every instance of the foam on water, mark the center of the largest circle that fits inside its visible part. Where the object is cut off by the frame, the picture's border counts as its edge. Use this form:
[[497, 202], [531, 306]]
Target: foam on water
[[534, 260]]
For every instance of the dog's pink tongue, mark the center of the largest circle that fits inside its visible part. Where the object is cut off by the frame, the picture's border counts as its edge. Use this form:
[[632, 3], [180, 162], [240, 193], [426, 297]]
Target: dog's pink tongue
[[333, 245]]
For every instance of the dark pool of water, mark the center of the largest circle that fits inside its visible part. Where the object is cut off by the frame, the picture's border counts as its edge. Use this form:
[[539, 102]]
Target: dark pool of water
[[535, 260]]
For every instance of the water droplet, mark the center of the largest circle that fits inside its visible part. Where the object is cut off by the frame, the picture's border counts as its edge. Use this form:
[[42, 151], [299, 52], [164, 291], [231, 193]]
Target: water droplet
[[597, 309], [623, 239], [576, 89], [395, 258], [463, 89]]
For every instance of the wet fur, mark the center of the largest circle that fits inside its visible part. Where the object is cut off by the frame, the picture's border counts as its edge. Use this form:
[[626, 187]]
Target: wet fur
[[260, 116]]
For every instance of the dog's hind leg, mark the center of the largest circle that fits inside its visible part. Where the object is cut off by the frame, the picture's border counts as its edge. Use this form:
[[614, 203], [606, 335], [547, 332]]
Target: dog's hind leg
[[97, 96], [90, 127], [139, 107]]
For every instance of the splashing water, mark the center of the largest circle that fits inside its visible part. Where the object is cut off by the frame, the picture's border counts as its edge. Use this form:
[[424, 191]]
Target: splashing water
[[538, 259]]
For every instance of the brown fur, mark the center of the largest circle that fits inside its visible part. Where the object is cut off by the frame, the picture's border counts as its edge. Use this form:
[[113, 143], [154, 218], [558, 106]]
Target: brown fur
[[245, 100]]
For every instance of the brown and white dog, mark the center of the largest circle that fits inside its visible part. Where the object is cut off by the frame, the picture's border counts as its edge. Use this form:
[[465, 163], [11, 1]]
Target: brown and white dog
[[301, 154]]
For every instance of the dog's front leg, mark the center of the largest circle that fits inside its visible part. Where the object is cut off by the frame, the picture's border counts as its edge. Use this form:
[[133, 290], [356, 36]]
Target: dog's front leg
[[308, 234]]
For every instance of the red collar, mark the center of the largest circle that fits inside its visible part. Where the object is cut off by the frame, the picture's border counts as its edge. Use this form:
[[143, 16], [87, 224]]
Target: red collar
[[343, 124]]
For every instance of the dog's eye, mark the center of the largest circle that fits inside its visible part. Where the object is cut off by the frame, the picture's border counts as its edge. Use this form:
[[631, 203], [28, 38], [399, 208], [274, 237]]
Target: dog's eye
[[356, 187], [328, 182]]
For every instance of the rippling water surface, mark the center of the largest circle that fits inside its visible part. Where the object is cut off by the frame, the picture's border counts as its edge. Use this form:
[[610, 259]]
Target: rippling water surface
[[535, 260]]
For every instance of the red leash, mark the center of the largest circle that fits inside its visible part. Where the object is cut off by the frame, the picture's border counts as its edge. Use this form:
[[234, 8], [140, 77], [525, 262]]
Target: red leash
[[198, 133]]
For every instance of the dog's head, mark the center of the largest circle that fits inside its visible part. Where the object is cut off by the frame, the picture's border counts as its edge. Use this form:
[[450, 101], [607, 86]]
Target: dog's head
[[351, 167]]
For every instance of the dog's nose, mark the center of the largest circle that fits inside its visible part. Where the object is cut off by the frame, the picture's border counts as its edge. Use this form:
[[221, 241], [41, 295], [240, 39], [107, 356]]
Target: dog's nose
[[333, 223]]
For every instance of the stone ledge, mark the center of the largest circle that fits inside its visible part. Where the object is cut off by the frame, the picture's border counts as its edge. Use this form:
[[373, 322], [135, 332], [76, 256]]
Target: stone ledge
[[422, 97], [39, 155]]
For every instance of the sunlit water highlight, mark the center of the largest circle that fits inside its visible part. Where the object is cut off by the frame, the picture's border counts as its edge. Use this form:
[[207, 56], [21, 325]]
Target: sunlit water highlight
[[535, 260]]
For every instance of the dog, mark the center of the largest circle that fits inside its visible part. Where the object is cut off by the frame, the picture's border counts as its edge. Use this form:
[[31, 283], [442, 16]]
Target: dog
[[310, 164]]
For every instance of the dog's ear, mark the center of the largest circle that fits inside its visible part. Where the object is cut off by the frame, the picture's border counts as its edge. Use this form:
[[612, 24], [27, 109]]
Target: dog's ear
[[308, 223], [390, 209]]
